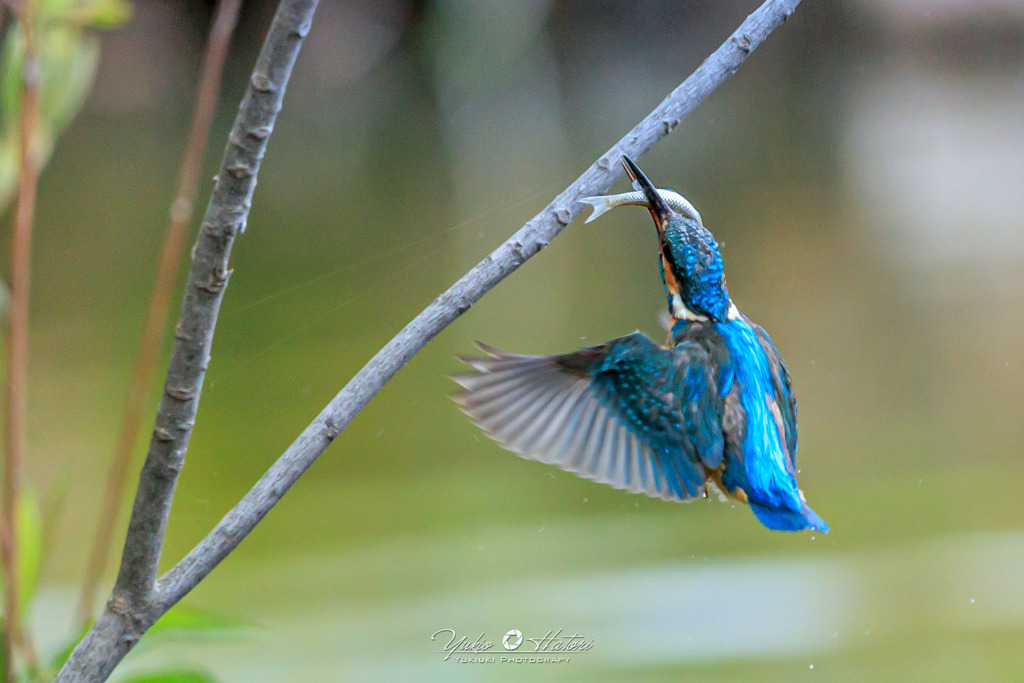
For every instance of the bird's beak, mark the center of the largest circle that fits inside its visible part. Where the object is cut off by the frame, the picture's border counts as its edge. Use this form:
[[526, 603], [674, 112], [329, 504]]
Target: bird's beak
[[660, 211]]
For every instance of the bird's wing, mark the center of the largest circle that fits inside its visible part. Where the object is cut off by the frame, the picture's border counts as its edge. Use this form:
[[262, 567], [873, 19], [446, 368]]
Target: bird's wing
[[782, 387], [626, 413]]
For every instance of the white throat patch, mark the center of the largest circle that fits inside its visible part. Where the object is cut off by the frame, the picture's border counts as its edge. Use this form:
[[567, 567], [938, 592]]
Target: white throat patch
[[681, 312]]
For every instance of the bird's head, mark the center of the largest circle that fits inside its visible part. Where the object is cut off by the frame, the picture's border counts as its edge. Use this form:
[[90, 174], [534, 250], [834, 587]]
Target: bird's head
[[691, 264]]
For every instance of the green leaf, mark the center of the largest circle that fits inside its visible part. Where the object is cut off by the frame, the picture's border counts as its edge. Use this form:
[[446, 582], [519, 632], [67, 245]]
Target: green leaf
[[103, 13], [12, 60], [177, 676], [52, 8], [29, 526], [30, 541], [67, 60], [8, 170], [184, 618], [12, 64]]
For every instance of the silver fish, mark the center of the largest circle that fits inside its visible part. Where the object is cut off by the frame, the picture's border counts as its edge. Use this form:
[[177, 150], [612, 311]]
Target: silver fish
[[607, 202]]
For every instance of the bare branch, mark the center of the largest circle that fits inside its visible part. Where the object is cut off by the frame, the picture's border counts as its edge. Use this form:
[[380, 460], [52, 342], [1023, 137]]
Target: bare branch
[[131, 608], [225, 218], [529, 240], [160, 300]]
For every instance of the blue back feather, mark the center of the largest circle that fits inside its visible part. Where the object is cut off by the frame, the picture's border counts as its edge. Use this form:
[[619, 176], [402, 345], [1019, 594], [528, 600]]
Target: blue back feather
[[769, 472]]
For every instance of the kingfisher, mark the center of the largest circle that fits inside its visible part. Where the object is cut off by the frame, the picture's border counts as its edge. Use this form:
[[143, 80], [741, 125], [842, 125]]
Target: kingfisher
[[714, 408]]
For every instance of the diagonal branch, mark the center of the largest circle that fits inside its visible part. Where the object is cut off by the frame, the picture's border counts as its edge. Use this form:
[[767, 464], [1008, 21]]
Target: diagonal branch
[[137, 601], [529, 240]]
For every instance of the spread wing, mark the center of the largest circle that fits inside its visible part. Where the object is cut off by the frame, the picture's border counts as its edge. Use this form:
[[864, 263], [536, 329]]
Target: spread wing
[[626, 413]]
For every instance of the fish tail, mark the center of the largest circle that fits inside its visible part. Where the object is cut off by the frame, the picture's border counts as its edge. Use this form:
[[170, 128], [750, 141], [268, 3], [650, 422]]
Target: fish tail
[[600, 204]]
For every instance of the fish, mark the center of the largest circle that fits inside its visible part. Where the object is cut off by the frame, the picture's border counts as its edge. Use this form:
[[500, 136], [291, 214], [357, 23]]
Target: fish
[[605, 203]]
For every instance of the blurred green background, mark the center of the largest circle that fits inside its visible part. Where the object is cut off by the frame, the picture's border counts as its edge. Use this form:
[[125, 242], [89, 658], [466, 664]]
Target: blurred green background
[[863, 172]]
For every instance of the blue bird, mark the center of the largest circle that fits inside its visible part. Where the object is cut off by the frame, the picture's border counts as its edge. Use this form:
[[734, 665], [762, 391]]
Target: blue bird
[[715, 406]]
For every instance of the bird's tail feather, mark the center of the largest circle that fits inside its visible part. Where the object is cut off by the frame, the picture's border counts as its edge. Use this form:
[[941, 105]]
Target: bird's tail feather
[[784, 519]]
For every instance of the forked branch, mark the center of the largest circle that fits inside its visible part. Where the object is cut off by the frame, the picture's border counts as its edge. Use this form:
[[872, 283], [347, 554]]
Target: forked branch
[[137, 599]]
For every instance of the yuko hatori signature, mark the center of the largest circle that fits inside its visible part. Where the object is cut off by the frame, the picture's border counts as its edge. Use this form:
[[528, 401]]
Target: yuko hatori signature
[[552, 642]]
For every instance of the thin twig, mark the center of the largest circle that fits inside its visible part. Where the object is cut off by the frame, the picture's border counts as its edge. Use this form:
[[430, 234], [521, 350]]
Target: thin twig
[[160, 301], [124, 620], [17, 342]]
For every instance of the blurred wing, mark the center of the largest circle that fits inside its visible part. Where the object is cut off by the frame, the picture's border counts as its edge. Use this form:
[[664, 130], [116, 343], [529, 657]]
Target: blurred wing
[[611, 413]]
